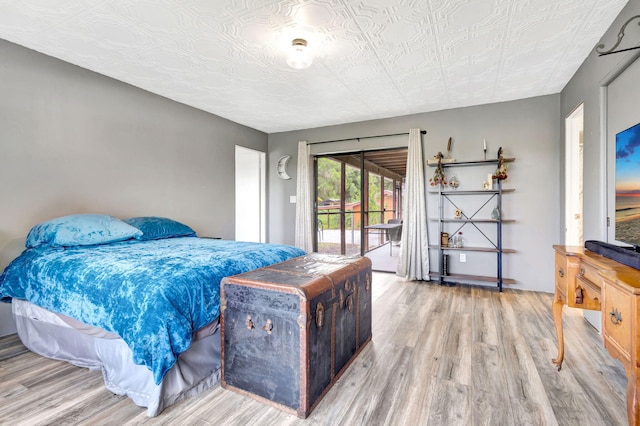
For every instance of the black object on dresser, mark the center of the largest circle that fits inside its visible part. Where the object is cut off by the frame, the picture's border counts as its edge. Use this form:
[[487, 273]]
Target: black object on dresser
[[288, 331], [625, 255]]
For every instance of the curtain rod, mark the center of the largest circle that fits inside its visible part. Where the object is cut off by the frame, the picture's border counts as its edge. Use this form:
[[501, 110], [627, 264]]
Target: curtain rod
[[422, 132]]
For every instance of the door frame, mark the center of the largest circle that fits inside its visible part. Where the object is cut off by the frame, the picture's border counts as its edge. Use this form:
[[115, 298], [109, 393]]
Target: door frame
[[574, 149]]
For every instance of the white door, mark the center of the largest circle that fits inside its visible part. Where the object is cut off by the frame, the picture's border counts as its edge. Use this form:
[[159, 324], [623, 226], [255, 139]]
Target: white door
[[250, 195], [574, 129]]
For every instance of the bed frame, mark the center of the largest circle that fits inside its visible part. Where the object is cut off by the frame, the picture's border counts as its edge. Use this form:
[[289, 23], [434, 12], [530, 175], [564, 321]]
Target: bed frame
[[53, 336]]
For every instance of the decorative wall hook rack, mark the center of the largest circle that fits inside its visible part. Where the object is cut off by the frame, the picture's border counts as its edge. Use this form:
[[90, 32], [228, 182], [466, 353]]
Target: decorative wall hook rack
[[600, 47], [282, 167]]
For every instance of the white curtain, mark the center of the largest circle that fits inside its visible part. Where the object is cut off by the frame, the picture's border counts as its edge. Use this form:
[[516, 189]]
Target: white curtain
[[413, 263], [304, 198]]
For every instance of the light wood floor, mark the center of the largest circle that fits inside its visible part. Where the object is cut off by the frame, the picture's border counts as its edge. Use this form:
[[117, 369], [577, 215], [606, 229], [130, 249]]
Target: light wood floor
[[440, 356]]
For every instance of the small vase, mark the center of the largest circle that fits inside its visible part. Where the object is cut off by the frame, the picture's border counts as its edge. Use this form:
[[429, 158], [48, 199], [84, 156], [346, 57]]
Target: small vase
[[495, 214], [453, 182]]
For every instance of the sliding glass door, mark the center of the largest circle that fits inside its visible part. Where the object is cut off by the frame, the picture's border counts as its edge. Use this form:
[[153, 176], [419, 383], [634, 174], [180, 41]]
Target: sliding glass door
[[353, 192], [338, 194]]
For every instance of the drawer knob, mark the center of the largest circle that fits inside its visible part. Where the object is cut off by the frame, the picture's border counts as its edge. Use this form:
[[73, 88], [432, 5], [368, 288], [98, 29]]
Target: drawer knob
[[561, 272], [249, 323], [268, 326], [615, 316], [582, 271]]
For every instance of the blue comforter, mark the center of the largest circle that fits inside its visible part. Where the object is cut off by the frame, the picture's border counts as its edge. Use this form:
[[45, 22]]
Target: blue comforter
[[153, 294]]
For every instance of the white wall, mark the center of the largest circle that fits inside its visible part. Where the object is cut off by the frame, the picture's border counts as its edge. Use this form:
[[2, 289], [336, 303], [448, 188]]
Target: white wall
[[73, 141], [527, 129]]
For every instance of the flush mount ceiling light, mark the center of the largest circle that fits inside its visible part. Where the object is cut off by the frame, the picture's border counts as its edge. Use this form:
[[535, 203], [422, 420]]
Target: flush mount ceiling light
[[299, 56]]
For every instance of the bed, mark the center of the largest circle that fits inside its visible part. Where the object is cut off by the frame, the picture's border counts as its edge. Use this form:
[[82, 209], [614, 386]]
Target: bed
[[138, 299]]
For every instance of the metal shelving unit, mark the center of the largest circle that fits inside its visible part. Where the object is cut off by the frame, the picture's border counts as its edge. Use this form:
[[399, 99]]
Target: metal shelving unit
[[448, 195]]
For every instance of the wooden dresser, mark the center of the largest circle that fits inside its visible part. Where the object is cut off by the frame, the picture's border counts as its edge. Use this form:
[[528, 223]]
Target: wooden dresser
[[586, 280]]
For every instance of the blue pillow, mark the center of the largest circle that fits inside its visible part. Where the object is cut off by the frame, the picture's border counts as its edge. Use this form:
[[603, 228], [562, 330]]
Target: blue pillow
[[80, 230], [155, 228]]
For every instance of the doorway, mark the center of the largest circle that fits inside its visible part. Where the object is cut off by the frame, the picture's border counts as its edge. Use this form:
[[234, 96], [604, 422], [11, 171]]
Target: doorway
[[573, 169], [357, 195], [250, 195], [574, 130]]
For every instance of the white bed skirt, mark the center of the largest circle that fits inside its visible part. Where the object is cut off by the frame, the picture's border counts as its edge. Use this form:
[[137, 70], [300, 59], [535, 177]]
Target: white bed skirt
[[196, 370]]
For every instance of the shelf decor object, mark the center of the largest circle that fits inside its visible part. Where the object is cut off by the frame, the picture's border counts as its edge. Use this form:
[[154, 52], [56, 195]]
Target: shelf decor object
[[501, 171], [440, 158], [438, 179], [495, 213]]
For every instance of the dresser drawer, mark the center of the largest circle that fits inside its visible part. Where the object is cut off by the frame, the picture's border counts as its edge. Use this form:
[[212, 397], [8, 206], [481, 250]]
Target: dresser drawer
[[616, 318], [587, 294], [589, 273], [561, 275]]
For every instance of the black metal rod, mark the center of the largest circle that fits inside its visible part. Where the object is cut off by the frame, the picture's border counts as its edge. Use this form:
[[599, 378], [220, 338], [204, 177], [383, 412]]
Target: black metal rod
[[422, 132], [619, 51], [363, 243], [499, 237]]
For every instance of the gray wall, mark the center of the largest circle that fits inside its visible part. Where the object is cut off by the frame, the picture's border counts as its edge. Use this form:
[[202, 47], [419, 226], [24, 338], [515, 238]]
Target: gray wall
[[74, 141], [527, 129], [590, 85], [623, 112], [607, 109]]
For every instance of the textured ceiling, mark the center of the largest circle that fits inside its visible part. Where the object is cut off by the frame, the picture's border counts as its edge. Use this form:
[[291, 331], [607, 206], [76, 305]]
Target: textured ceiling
[[373, 58]]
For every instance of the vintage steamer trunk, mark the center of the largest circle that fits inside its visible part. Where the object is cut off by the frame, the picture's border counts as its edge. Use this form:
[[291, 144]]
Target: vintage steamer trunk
[[288, 331]]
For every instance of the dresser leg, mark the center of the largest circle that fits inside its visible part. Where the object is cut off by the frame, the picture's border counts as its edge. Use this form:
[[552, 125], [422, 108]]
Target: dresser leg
[[557, 319], [632, 399]]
